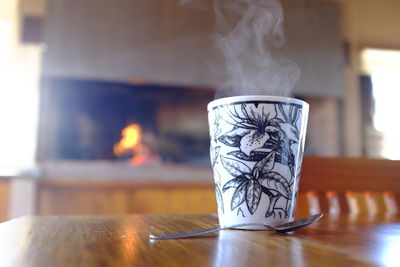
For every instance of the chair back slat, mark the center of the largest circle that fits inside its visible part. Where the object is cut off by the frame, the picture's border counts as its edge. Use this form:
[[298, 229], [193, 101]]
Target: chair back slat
[[358, 185]]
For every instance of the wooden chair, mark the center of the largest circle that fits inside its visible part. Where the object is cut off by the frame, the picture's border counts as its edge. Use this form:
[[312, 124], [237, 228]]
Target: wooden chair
[[329, 185], [349, 185]]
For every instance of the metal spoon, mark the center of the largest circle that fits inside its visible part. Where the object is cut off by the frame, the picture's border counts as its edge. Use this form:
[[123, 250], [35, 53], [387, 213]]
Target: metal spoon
[[281, 229]]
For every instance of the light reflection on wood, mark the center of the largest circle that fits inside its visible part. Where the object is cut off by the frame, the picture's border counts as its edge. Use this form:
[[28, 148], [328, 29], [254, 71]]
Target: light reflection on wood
[[123, 241]]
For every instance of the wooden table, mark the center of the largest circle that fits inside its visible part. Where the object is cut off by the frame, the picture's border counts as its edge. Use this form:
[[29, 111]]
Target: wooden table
[[122, 241]]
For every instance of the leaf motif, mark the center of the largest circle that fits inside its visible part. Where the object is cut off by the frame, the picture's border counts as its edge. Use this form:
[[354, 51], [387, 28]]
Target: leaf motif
[[232, 141], [234, 167], [283, 152], [282, 159], [254, 156], [291, 163], [244, 111], [267, 164], [263, 110], [267, 192], [220, 201], [240, 212], [234, 183], [253, 195], [271, 144], [217, 177], [217, 132], [214, 155], [291, 132], [275, 181], [232, 138], [239, 196], [282, 112], [256, 173], [292, 172]]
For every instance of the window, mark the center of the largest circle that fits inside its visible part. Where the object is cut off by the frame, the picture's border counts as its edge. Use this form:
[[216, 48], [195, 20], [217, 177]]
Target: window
[[19, 72], [384, 68]]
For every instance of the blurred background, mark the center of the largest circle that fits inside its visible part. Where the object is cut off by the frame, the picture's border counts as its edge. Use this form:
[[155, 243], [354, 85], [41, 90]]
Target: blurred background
[[103, 103]]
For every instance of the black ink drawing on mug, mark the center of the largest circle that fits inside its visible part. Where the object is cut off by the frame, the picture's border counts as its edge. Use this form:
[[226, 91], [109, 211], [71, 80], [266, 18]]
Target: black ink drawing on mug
[[263, 137]]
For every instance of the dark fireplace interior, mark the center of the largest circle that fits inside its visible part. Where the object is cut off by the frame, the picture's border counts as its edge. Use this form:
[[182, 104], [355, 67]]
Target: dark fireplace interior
[[83, 120]]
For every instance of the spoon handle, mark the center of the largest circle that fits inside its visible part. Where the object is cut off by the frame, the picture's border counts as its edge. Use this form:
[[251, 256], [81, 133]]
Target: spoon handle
[[186, 234], [204, 231]]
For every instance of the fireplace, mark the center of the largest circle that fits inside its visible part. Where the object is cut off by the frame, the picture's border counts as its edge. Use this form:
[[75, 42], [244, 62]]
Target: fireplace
[[86, 120]]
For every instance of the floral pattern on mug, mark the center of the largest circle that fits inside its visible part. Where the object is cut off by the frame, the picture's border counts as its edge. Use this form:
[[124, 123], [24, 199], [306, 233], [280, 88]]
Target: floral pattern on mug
[[260, 152]]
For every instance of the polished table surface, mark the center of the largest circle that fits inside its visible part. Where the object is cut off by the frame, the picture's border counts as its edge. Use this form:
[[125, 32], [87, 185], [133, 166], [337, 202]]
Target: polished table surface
[[123, 241]]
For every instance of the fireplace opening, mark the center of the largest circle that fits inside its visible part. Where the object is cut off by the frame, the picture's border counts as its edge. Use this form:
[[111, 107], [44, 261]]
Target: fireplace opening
[[136, 123]]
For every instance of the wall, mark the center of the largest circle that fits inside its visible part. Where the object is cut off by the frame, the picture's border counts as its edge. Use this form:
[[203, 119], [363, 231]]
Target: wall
[[33, 7], [323, 130], [163, 42], [158, 41], [374, 23], [369, 22]]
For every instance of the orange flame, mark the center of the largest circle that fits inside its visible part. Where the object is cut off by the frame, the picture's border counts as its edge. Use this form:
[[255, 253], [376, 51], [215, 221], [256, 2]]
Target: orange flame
[[131, 142]]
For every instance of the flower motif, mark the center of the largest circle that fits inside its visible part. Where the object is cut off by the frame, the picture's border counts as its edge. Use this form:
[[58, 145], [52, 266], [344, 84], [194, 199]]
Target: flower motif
[[252, 141], [251, 129]]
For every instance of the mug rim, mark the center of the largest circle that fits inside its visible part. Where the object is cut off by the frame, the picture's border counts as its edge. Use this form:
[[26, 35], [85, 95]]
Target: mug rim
[[233, 99]]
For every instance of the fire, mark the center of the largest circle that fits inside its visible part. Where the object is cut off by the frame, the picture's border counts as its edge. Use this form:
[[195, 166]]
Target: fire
[[132, 143]]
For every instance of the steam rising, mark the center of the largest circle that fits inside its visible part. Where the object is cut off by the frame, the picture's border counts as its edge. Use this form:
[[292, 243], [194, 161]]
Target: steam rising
[[249, 33]]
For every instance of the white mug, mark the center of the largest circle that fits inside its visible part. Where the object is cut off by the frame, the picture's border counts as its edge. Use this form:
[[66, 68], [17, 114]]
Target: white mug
[[256, 151]]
